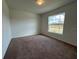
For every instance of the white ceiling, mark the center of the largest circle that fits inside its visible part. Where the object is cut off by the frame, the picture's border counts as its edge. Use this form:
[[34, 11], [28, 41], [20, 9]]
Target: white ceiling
[[31, 6]]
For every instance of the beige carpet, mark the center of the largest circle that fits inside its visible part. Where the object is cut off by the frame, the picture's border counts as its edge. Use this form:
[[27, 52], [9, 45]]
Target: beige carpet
[[39, 47]]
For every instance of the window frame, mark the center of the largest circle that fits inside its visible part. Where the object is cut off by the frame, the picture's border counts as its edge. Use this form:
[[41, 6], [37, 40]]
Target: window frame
[[63, 23]]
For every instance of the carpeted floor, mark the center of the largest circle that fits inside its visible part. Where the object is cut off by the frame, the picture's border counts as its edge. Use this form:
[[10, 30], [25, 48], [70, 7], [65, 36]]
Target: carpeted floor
[[39, 47]]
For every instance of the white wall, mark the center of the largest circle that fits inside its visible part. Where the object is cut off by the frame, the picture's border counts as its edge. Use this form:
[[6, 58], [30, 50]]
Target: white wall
[[6, 31], [24, 23], [69, 34]]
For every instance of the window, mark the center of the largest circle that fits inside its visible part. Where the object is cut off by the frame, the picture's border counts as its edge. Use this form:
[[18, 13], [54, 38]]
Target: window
[[56, 23]]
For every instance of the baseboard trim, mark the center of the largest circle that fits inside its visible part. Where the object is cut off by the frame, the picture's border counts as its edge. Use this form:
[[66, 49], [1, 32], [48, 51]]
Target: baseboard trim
[[24, 36], [59, 40], [7, 48]]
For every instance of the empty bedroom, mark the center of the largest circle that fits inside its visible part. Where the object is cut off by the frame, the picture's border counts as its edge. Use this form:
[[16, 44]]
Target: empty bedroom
[[39, 29]]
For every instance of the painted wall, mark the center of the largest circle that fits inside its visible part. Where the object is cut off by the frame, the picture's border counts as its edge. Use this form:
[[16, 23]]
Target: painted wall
[[24, 23], [6, 31], [69, 34]]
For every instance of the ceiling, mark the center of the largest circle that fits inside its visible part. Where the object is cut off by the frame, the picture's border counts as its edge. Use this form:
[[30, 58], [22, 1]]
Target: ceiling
[[31, 6]]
